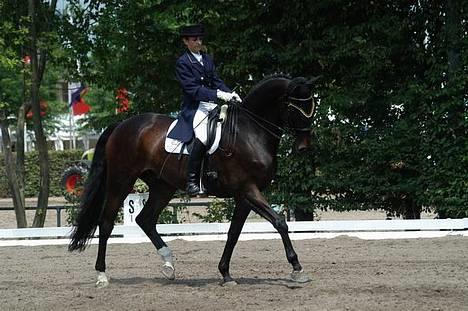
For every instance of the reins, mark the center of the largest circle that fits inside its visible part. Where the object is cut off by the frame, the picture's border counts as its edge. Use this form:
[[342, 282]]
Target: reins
[[256, 118]]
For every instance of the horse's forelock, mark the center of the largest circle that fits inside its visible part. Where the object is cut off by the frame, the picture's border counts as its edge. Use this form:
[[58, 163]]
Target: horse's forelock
[[295, 83]]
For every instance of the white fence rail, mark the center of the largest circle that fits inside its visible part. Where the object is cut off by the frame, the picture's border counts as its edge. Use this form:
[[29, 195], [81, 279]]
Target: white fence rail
[[257, 227]]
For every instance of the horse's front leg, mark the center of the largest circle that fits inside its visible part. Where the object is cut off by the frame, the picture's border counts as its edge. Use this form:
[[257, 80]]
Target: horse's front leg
[[258, 203], [241, 212]]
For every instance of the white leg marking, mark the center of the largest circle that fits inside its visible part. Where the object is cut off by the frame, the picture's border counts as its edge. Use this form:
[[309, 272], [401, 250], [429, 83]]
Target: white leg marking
[[102, 280], [299, 277], [168, 271], [168, 267]]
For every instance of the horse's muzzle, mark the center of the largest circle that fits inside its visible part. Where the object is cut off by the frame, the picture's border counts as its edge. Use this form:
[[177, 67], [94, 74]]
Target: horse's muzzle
[[302, 140]]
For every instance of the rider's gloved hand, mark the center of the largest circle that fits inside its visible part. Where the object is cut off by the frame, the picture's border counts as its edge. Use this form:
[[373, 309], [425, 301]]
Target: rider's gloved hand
[[224, 95], [236, 97]]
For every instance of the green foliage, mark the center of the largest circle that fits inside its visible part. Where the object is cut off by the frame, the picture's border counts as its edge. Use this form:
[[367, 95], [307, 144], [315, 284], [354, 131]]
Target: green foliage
[[59, 161], [292, 186], [168, 215], [140, 186], [10, 66], [217, 211], [73, 202]]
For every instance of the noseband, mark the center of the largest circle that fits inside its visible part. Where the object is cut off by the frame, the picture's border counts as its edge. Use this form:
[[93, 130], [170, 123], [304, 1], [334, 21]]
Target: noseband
[[305, 114], [289, 101]]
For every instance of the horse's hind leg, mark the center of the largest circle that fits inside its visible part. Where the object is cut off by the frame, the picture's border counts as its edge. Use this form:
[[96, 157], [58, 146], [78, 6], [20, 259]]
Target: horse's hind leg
[[238, 219], [116, 194], [159, 196], [261, 207]]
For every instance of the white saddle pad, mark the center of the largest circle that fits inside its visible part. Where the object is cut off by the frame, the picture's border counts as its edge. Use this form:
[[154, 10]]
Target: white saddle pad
[[200, 124]]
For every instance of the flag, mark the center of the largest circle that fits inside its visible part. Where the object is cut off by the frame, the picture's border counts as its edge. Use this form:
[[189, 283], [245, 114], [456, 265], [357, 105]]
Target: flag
[[79, 106]]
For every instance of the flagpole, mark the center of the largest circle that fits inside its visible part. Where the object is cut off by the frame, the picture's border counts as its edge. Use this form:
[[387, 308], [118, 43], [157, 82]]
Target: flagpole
[[71, 119]]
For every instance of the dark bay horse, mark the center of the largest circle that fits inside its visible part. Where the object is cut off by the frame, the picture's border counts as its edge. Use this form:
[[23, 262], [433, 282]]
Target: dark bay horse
[[134, 149]]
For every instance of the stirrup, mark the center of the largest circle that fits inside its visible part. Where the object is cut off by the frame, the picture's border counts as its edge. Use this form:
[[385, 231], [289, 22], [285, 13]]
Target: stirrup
[[192, 189]]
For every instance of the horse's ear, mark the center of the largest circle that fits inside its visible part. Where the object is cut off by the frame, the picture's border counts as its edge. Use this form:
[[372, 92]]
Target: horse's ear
[[312, 80]]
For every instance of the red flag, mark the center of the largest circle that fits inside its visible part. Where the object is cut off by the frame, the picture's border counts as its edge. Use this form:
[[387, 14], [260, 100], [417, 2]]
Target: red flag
[[79, 106]]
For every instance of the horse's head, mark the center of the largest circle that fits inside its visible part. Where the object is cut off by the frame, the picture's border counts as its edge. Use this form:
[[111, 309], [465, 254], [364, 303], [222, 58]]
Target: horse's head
[[279, 102], [300, 108]]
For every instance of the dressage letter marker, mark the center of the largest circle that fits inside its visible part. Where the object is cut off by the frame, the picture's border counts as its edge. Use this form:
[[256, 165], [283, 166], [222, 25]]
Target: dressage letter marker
[[132, 206]]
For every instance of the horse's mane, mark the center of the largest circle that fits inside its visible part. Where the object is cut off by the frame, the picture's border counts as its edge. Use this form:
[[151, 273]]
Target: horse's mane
[[266, 79]]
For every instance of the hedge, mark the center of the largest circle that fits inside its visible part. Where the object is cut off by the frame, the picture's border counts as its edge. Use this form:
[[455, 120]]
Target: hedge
[[59, 161]]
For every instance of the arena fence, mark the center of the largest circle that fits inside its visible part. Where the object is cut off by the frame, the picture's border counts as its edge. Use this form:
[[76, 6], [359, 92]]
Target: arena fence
[[366, 229]]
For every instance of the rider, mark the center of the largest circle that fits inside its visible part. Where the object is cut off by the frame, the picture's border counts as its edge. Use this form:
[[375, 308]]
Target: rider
[[196, 73]]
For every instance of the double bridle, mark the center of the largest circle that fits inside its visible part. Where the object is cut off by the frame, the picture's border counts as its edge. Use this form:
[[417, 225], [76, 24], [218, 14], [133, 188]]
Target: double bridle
[[289, 101], [305, 114], [269, 127]]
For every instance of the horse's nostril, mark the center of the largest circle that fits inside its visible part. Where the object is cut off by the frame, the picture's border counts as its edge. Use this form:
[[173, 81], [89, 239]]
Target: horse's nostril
[[302, 146]]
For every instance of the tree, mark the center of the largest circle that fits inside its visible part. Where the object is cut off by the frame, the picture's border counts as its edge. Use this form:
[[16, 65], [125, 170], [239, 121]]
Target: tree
[[26, 42], [11, 99], [42, 17], [386, 127]]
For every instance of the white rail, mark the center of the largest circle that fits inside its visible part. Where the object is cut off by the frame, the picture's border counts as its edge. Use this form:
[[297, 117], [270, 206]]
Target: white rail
[[257, 227]]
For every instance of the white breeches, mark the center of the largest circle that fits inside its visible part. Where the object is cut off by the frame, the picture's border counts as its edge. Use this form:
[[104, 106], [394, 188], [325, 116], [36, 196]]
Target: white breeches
[[200, 121]]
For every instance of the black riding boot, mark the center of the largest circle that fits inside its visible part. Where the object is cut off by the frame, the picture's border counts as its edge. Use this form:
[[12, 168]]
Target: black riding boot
[[194, 166]]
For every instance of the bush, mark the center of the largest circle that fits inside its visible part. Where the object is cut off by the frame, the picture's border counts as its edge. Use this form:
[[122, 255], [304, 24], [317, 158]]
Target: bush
[[59, 161], [218, 211]]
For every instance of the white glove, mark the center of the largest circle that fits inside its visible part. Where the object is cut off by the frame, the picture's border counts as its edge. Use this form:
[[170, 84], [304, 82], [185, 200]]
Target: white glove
[[224, 95], [236, 97]]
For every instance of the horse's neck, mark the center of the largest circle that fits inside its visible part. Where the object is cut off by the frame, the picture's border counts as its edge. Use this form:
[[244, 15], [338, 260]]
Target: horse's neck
[[263, 118], [266, 100]]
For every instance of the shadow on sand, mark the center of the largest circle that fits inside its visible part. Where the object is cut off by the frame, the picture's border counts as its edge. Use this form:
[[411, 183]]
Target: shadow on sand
[[204, 282]]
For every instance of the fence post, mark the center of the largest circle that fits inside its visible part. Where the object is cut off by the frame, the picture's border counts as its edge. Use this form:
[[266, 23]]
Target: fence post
[[59, 218]]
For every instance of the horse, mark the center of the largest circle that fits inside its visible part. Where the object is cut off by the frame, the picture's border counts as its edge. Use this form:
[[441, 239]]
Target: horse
[[244, 167]]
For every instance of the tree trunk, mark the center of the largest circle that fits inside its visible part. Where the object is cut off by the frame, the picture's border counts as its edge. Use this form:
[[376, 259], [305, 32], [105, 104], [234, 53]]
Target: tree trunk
[[20, 132], [301, 215], [412, 210], [41, 143], [20, 151], [18, 197]]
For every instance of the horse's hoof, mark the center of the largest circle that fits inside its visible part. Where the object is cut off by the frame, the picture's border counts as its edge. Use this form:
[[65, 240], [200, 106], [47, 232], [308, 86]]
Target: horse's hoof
[[299, 277], [168, 271], [229, 284], [102, 280]]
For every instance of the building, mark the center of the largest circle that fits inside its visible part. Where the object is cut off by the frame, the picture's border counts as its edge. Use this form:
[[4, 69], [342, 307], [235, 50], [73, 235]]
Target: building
[[67, 136]]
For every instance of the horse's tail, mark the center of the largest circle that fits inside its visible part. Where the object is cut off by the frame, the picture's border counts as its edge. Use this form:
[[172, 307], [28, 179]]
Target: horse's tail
[[94, 195]]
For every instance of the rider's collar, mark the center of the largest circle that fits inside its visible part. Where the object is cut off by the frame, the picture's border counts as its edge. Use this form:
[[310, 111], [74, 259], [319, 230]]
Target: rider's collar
[[198, 57]]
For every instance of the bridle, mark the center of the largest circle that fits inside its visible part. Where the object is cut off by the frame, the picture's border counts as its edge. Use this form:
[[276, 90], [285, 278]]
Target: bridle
[[305, 114], [276, 128], [290, 104]]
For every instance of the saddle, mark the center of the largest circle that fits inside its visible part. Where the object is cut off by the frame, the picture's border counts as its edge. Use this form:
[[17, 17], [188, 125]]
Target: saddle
[[211, 129], [213, 119], [220, 115], [220, 122]]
